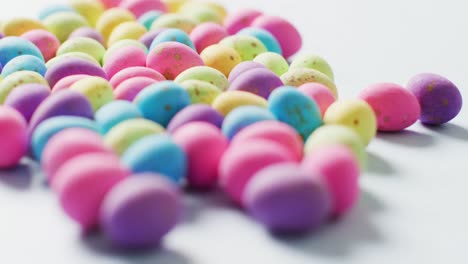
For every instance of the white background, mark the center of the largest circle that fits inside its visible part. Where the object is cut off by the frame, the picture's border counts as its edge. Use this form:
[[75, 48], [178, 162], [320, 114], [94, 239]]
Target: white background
[[415, 193]]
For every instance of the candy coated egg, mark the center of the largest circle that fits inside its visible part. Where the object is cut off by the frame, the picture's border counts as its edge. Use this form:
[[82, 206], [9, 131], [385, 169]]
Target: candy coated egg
[[274, 131], [68, 81], [17, 79], [395, 107], [300, 76], [207, 34], [72, 66], [68, 144], [157, 154], [115, 113], [339, 169], [236, 21], [95, 175], [148, 18], [206, 74], [161, 101], [440, 99], [202, 14], [126, 30], [131, 72], [147, 38], [243, 117], [265, 37], [24, 63], [50, 127], [337, 135], [261, 82], [287, 199], [243, 67], [62, 24], [292, 107], [75, 55], [98, 91], [115, 48], [52, 9], [313, 62], [201, 92], [274, 62], [87, 32], [174, 21], [172, 34], [248, 47], [26, 98], [172, 58], [13, 137], [82, 44], [239, 164], [174, 5], [220, 57], [195, 113], [45, 41], [12, 47], [124, 134], [20, 25], [139, 7], [204, 145], [130, 88], [230, 100], [110, 19], [320, 94], [111, 3], [91, 10], [356, 114], [123, 58], [140, 210]]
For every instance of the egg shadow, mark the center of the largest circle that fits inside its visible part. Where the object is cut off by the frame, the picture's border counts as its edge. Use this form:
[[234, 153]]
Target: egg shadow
[[19, 177], [450, 130], [196, 203], [376, 164], [341, 237], [408, 138]]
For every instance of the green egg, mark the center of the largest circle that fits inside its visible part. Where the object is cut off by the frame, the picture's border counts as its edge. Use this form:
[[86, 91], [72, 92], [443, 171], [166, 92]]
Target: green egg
[[248, 47], [299, 76], [337, 135], [273, 61], [179, 21], [62, 24], [85, 45], [126, 30], [19, 78], [66, 56], [202, 14], [98, 91], [201, 92], [313, 62], [120, 44], [206, 74], [123, 135]]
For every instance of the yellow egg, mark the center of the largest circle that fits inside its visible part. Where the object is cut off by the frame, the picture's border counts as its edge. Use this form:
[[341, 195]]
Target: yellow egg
[[98, 91], [65, 56], [299, 76], [111, 19], [89, 9], [221, 57], [201, 92], [174, 21], [85, 45], [62, 24], [19, 26], [217, 8], [174, 5], [230, 100], [19, 78], [127, 30], [356, 114]]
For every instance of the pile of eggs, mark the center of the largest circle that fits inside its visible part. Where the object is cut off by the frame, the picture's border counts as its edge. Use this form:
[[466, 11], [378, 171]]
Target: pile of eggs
[[126, 102]]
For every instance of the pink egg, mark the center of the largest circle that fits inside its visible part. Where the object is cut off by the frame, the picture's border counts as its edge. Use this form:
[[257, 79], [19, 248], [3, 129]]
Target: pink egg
[[241, 162], [340, 171], [286, 33], [68, 81], [110, 3], [320, 94], [13, 137], [83, 182], [68, 144], [239, 20], [273, 131], [130, 88], [125, 57], [396, 108], [45, 41], [139, 7], [207, 34], [131, 72], [204, 145], [172, 58]]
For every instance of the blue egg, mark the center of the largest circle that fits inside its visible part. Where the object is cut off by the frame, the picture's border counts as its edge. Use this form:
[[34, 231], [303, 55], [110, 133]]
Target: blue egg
[[12, 47], [270, 42], [172, 34], [243, 117], [148, 18], [160, 102], [157, 154], [47, 129], [114, 113], [24, 63], [50, 10], [292, 107]]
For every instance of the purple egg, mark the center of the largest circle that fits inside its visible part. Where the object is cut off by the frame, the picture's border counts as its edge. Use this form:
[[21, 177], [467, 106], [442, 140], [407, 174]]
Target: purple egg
[[286, 199], [257, 81], [440, 99], [148, 37], [243, 67], [140, 210], [87, 32], [64, 103], [195, 113], [26, 98], [72, 66]]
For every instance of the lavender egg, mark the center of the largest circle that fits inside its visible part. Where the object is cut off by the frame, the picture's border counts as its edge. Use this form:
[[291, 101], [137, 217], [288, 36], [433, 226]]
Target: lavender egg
[[257, 81], [26, 98], [242, 68], [72, 66], [195, 113]]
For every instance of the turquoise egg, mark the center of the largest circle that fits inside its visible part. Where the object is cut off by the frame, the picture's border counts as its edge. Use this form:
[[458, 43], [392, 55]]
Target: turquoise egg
[[12, 47], [173, 35], [265, 37], [47, 129], [160, 102], [24, 63], [148, 18], [157, 154], [115, 113], [292, 107], [243, 117]]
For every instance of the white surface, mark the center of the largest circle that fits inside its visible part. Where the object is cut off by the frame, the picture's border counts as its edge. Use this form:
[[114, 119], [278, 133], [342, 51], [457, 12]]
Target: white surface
[[413, 208]]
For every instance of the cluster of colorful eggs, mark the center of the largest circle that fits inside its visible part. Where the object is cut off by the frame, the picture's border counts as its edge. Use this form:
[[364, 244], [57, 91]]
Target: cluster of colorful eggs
[[180, 93]]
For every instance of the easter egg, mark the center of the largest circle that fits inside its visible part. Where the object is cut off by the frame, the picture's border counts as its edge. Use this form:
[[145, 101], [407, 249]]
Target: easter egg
[[126, 30], [319, 93], [75, 55], [87, 32], [26, 98], [72, 66], [300, 76], [236, 21], [243, 67], [265, 37], [131, 72], [62, 24], [81, 44], [243, 117], [148, 18], [221, 58], [230, 100], [12, 47], [17, 79], [20, 25], [117, 46], [201, 14], [195, 113], [125, 57], [98, 91], [68, 81], [274, 62], [46, 42], [248, 47], [206, 74], [130, 88], [91, 10], [111, 3], [172, 34], [207, 34], [52, 9], [110, 19], [313, 62], [261, 82], [139, 7], [147, 38], [24, 63], [174, 21], [115, 113], [201, 92], [13, 137]]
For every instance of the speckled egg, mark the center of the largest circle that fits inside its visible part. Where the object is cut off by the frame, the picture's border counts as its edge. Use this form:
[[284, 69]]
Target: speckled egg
[[230, 100], [98, 91], [313, 62], [131, 72], [19, 78], [26, 98], [24, 63], [261, 82], [139, 7], [248, 47], [243, 117], [244, 67], [220, 57], [45, 41], [148, 18], [125, 57], [72, 66], [238, 20], [126, 30], [12, 47], [130, 88], [265, 37], [110, 19], [115, 113], [206, 74], [207, 34], [82, 44], [195, 113], [62, 24], [201, 92], [274, 62], [300, 76], [172, 34], [87, 32], [174, 21], [320, 94], [19, 25]]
